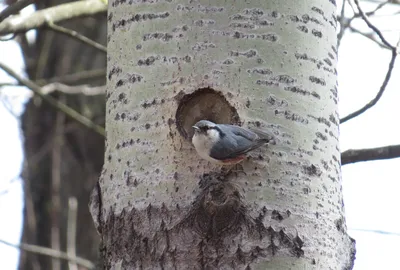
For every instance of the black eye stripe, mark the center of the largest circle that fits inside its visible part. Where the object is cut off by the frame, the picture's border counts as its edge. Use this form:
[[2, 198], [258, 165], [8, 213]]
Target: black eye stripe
[[221, 134]]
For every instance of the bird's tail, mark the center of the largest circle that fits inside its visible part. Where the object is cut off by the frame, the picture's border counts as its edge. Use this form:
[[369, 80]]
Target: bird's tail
[[266, 137]]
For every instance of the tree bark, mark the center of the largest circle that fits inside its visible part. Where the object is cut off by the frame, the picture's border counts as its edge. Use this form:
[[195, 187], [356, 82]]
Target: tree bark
[[269, 64]]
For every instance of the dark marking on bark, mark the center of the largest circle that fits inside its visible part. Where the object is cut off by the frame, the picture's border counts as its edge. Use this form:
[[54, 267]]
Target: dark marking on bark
[[147, 62], [306, 190], [228, 62], [294, 18], [114, 70], [248, 103], [317, 33], [285, 79], [321, 136], [148, 104], [121, 96], [138, 18], [275, 14], [292, 116], [132, 78], [203, 22], [261, 71], [274, 101], [312, 170], [321, 120], [302, 28], [201, 46], [339, 224], [165, 37], [306, 18], [267, 83], [315, 94], [248, 54], [276, 215]]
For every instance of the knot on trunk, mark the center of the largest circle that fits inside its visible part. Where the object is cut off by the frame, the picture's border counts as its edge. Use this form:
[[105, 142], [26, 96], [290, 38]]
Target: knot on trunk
[[218, 208]]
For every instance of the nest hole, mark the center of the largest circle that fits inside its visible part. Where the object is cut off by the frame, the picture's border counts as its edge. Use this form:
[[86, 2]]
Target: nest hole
[[203, 104]]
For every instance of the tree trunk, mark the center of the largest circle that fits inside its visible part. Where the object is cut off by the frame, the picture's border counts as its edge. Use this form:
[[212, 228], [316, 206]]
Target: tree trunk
[[269, 64], [62, 158]]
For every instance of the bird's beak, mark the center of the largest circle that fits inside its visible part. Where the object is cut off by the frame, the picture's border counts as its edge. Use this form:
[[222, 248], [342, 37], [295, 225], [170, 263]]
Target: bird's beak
[[196, 128]]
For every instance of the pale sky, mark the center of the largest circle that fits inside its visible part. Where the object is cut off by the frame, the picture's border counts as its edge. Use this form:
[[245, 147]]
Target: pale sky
[[371, 189]]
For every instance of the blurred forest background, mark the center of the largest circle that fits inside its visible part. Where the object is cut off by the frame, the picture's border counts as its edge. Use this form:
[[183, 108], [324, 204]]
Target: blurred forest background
[[62, 157]]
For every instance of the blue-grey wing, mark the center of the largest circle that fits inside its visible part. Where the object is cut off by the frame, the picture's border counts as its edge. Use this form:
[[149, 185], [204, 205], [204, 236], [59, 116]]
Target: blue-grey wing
[[236, 142]]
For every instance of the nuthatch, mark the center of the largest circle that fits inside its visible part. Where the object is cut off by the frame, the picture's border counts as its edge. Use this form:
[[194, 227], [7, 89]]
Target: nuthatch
[[226, 144]]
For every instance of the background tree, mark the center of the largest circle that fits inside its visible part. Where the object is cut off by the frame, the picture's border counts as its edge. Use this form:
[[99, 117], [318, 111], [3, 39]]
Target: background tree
[[63, 158]]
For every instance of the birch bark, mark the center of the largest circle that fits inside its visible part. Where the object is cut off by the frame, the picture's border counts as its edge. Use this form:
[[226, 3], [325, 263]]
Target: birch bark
[[270, 64]]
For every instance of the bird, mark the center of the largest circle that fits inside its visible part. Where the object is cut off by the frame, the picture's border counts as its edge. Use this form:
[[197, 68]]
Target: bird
[[225, 144]]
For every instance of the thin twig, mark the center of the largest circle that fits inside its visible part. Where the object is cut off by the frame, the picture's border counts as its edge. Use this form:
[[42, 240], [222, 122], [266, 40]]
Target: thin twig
[[75, 77], [70, 90], [56, 153], [369, 36], [370, 25], [14, 8], [79, 89], [374, 231], [358, 155], [71, 230], [56, 14], [388, 73], [342, 20], [51, 253], [77, 36], [54, 102], [378, 96], [68, 78]]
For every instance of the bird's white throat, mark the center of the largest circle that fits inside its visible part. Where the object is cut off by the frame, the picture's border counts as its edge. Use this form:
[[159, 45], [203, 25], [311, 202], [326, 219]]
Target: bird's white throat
[[204, 142]]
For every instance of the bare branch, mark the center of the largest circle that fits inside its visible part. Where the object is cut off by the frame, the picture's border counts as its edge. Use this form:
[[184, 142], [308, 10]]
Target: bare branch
[[373, 27], [75, 77], [358, 155], [369, 36], [54, 102], [378, 96], [71, 230], [342, 23], [55, 212], [77, 36], [388, 74], [14, 8], [79, 89], [59, 13], [51, 253]]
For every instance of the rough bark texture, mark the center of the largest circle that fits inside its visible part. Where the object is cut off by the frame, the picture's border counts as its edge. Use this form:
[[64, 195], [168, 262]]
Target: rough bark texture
[[62, 158], [157, 204]]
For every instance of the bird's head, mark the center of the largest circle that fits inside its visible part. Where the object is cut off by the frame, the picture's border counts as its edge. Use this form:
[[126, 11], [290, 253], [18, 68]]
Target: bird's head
[[203, 126], [206, 128]]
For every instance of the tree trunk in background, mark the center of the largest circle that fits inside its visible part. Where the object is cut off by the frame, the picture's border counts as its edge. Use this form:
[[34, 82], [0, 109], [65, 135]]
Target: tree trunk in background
[[62, 158], [272, 64]]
